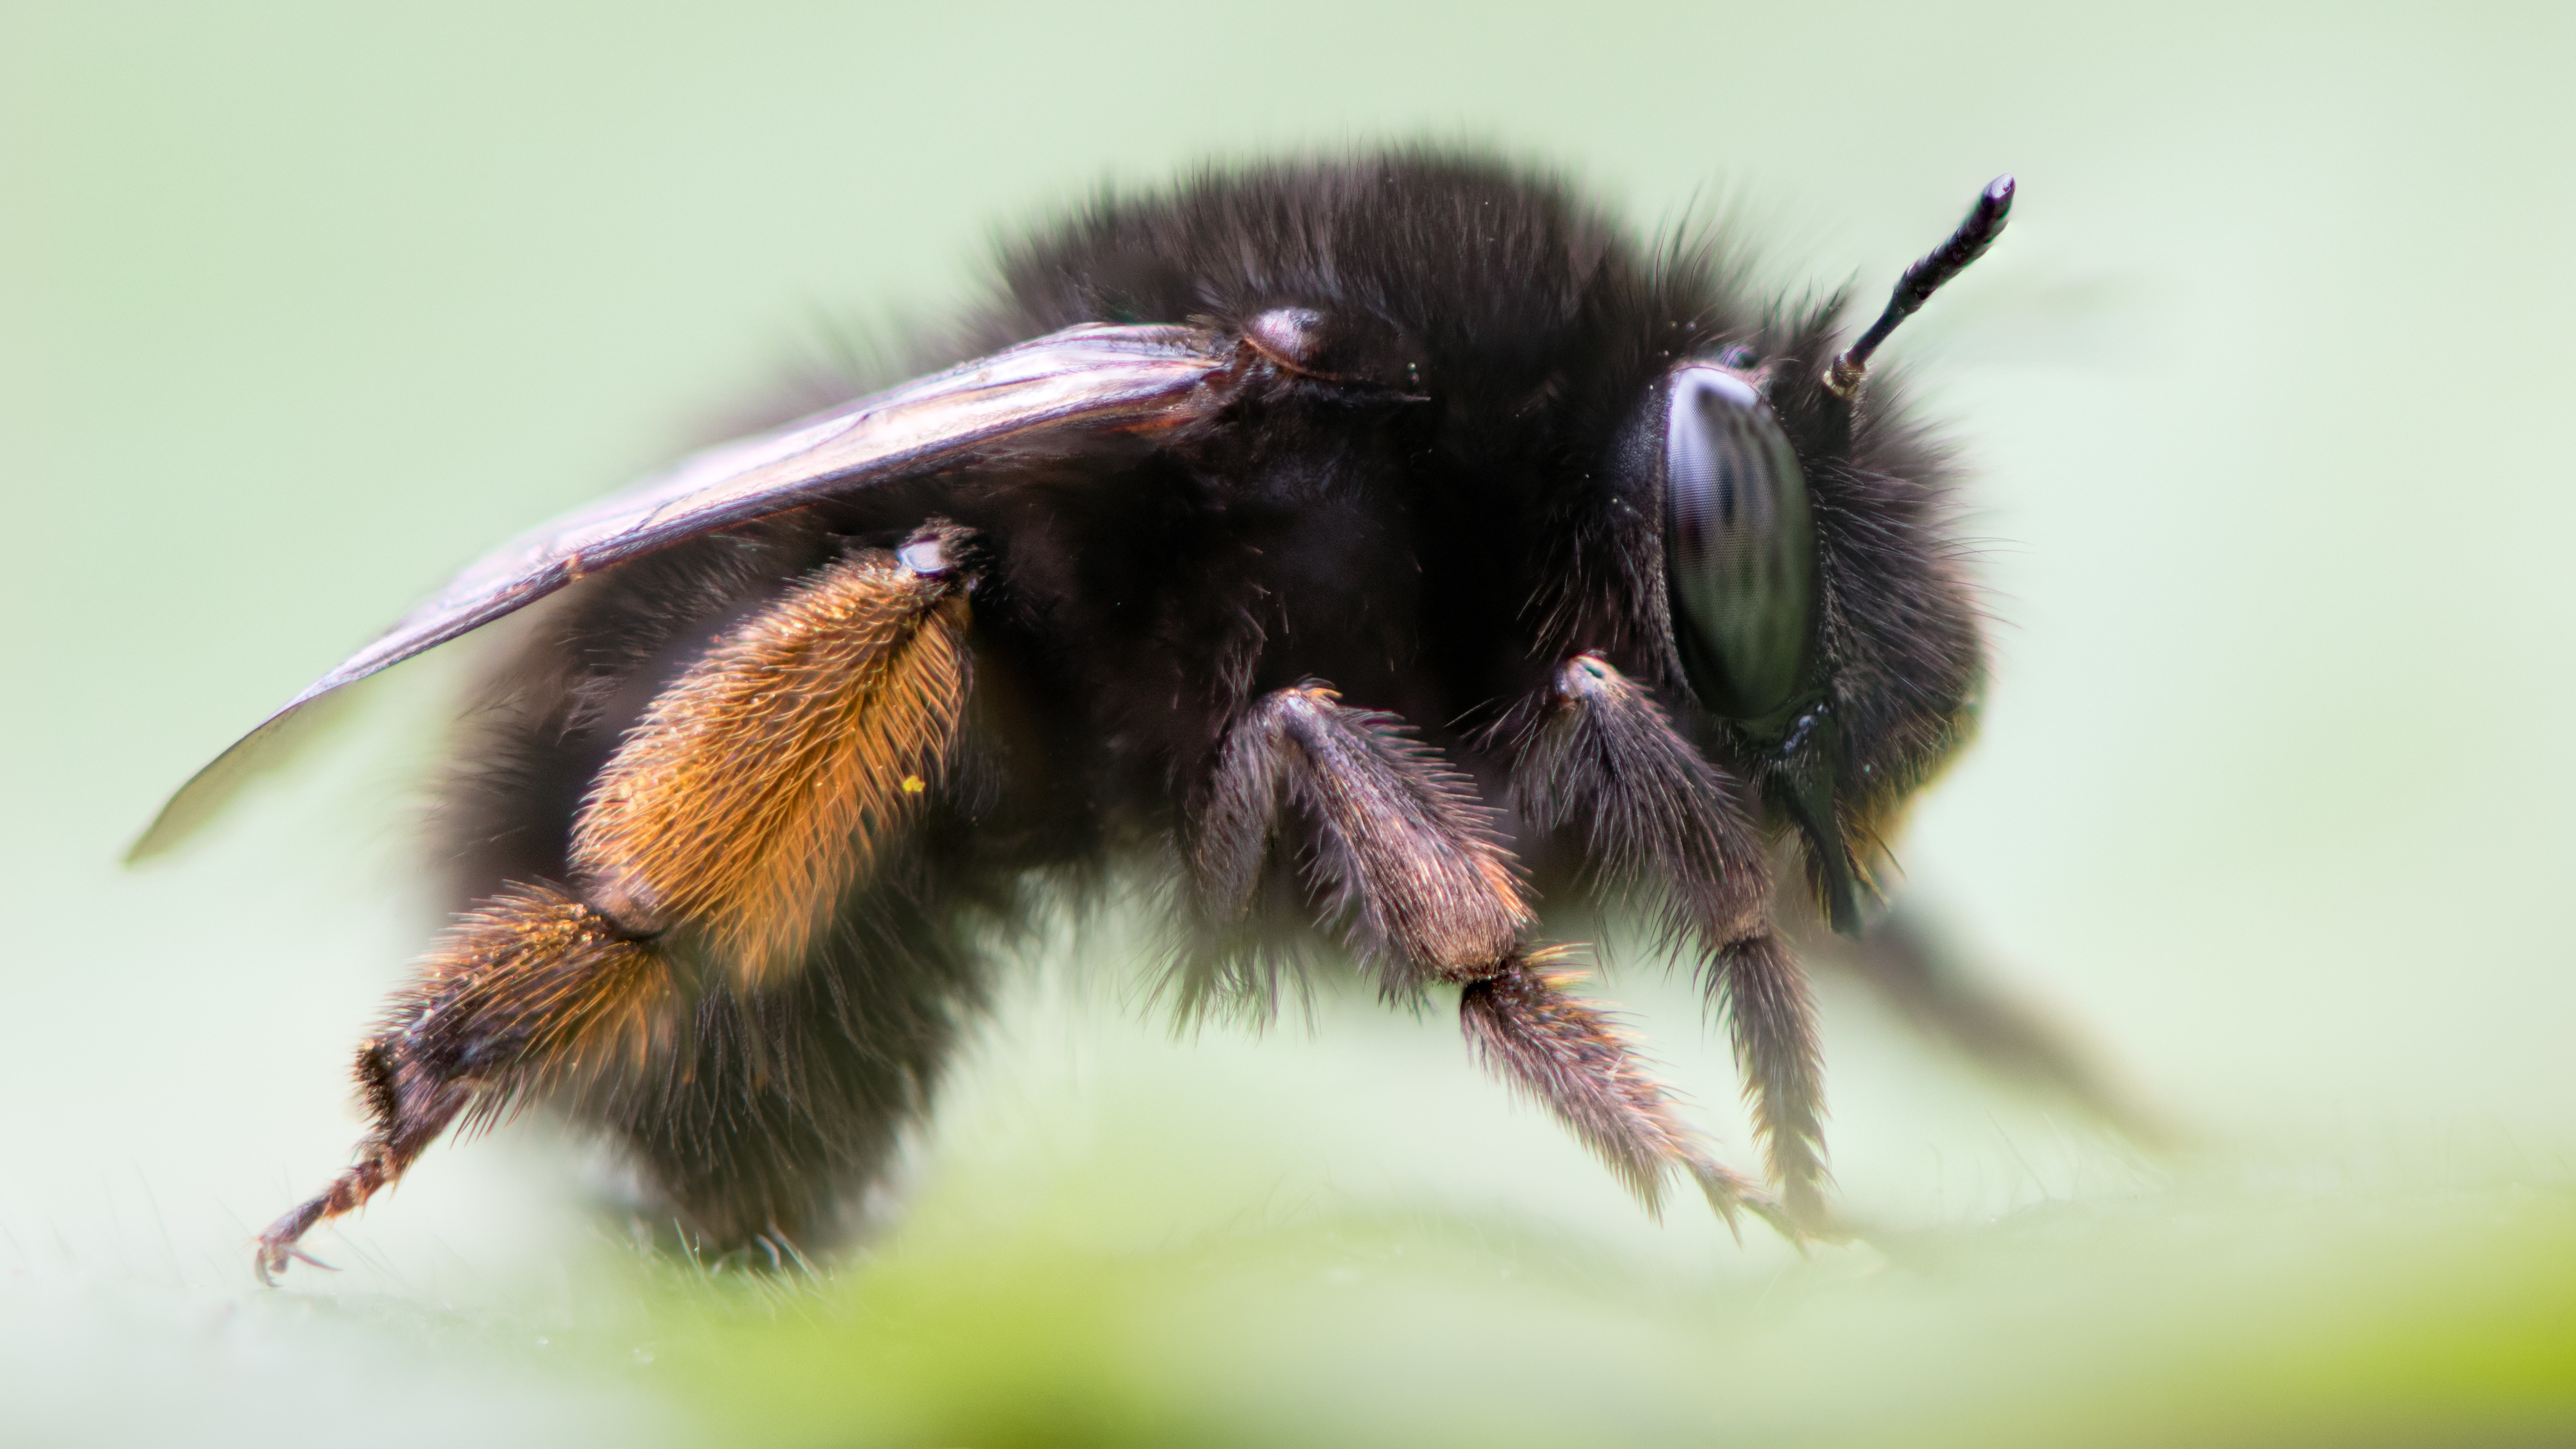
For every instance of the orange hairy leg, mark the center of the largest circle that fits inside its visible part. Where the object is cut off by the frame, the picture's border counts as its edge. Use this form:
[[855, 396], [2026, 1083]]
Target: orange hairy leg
[[754, 793], [1405, 852], [760, 784], [526, 992]]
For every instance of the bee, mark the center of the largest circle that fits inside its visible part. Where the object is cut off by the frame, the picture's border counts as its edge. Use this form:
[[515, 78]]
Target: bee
[[1369, 549]]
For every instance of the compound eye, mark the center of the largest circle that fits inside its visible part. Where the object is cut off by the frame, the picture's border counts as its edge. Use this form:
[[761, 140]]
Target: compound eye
[[1739, 544]]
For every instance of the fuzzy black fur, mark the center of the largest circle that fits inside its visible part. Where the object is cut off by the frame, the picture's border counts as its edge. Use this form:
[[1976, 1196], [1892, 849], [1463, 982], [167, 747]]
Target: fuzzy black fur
[[1433, 531]]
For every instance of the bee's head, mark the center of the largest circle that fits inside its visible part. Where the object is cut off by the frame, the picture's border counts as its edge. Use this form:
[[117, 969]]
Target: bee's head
[[1834, 651]]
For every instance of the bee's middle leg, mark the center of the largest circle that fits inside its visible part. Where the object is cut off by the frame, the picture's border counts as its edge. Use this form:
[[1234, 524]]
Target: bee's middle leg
[[1433, 897]]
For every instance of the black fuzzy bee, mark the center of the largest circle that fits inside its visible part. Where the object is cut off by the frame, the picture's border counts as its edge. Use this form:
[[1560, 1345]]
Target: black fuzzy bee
[[1374, 549]]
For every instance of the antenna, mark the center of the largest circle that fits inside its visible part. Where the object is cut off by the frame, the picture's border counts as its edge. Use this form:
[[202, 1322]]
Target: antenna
[[1985, 222]]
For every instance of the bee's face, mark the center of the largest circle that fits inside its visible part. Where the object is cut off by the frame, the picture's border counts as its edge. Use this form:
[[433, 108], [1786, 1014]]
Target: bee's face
[[1814, 622]]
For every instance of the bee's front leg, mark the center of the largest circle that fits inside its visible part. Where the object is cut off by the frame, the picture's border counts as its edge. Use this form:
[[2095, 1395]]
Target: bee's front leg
[[1656, 816], [1432, 896]]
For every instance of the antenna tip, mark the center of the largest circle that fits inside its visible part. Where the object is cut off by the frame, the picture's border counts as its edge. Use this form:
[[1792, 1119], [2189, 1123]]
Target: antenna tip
[[1999, 191]]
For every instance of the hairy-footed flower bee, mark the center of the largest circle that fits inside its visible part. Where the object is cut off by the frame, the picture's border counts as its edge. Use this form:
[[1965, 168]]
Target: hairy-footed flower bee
[[1377, 548]]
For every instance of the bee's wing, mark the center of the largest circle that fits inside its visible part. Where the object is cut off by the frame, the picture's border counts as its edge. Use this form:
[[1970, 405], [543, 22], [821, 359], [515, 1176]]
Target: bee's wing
[[1088, 379]]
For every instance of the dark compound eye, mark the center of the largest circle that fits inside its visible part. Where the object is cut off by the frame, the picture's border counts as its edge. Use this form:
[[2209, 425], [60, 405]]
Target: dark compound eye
[[1739, 545]]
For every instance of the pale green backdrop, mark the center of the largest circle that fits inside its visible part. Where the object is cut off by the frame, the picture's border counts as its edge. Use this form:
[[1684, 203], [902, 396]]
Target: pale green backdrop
[[2266, 398]]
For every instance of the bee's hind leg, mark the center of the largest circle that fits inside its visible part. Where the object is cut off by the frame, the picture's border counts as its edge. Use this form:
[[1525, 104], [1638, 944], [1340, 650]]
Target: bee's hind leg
[[1432, 897], [761, 783], [529, 986]]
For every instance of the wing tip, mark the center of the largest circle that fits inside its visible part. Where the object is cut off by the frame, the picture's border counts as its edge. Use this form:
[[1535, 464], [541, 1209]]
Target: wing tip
[[214, 786], [157, 840], [190, 806]]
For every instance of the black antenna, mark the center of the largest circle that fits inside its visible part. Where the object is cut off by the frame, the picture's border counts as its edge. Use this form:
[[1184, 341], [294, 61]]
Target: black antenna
[[1985, 222]]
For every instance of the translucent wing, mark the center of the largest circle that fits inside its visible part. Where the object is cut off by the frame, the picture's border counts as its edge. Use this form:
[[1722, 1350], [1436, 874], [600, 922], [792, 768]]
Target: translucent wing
[[1090, 379]]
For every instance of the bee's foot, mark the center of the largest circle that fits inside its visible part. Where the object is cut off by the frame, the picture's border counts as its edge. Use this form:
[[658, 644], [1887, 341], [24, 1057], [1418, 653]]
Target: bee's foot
[[273, 1259], [278, 1245]]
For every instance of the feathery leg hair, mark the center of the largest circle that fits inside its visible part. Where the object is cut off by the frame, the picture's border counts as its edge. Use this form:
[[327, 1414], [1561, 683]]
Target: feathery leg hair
[[1410, 861], [759, 785], [1406, 853], [524, 992], [750, 799], [1656, 817], [1576, 1060]]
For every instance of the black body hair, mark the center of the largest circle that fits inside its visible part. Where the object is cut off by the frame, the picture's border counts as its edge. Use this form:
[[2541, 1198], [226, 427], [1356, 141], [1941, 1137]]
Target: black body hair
[[1435, 550]]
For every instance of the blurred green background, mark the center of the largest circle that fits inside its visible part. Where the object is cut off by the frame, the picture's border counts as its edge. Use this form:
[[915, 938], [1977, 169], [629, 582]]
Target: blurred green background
[[2265, 397]]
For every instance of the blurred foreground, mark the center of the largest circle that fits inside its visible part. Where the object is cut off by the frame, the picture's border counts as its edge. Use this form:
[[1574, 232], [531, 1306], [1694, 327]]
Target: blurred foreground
[[1124, 1240]]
